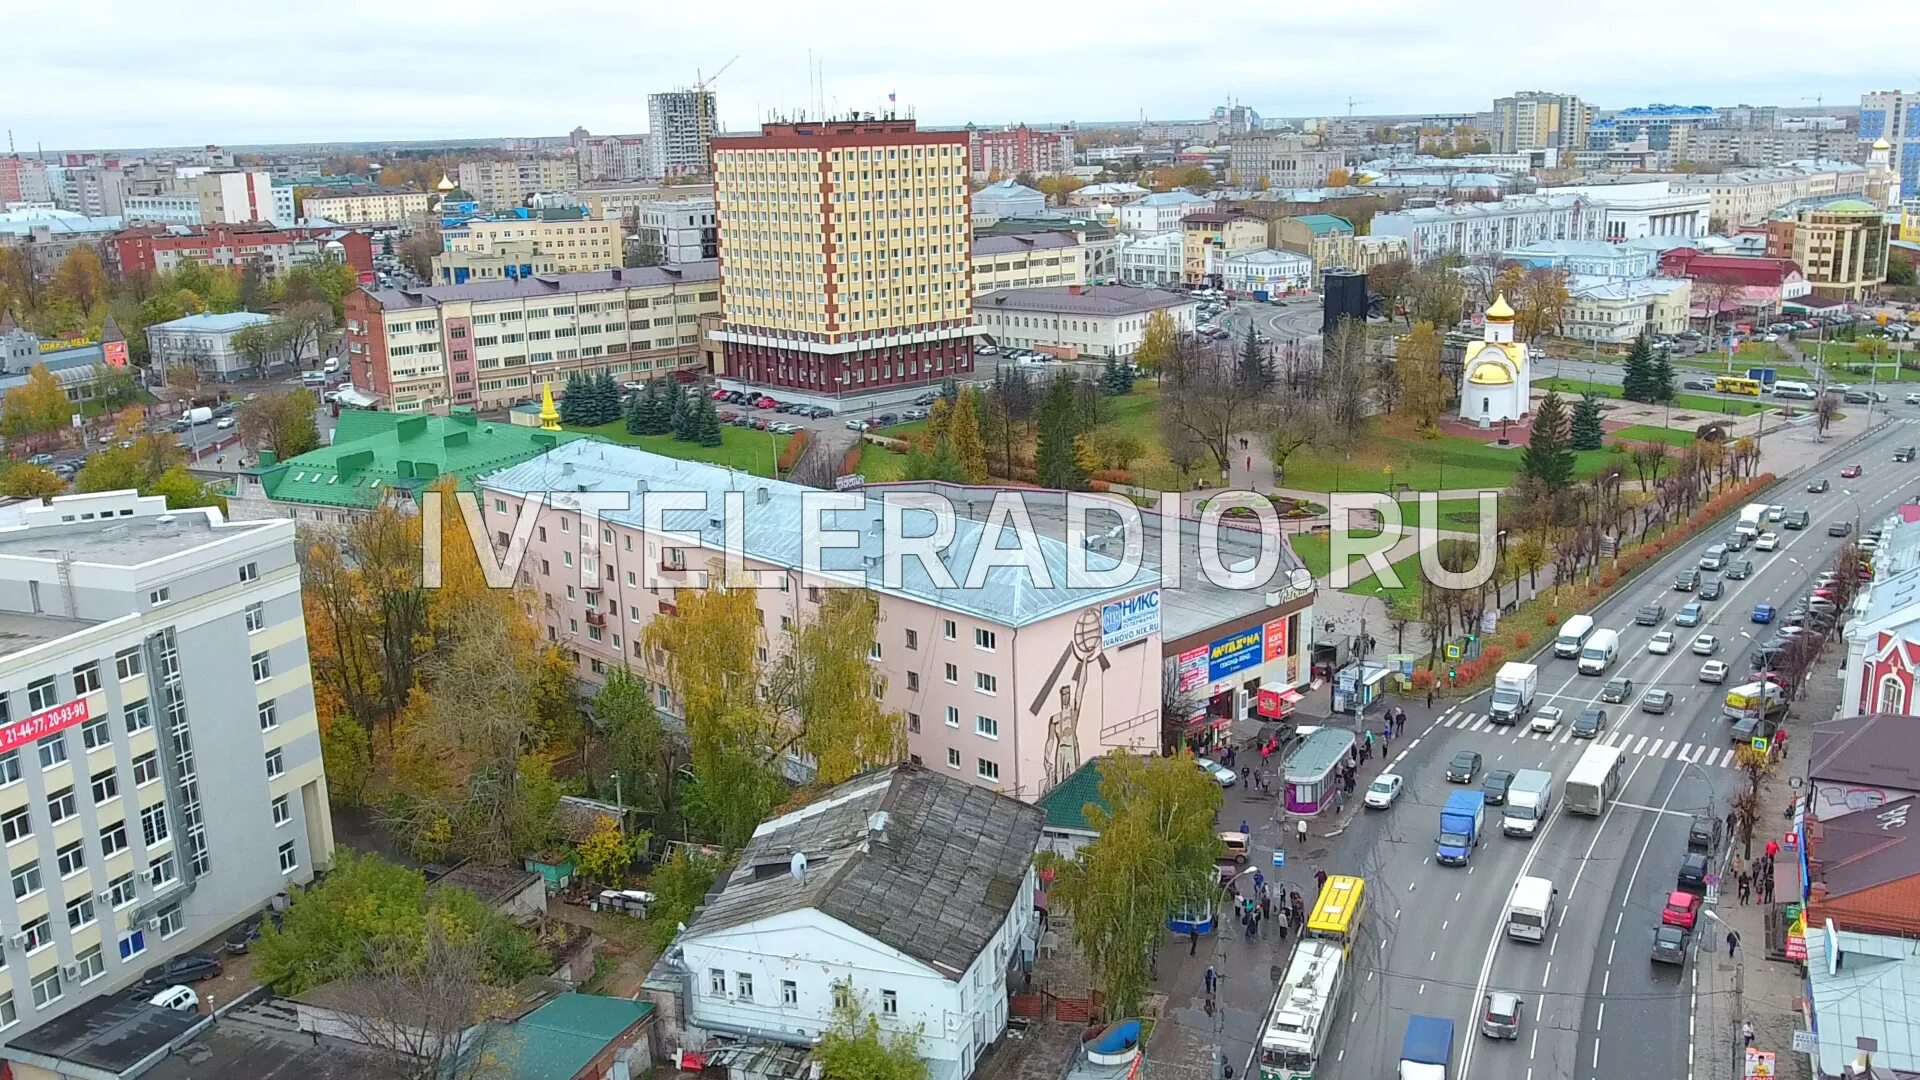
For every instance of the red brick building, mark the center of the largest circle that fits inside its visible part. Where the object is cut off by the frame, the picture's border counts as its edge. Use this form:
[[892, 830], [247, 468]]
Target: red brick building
[[1012, 150], [846, 262], [153, 249]]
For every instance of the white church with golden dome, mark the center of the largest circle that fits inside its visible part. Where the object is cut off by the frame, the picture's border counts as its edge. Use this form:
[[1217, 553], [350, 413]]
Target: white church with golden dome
[[1495, 379]]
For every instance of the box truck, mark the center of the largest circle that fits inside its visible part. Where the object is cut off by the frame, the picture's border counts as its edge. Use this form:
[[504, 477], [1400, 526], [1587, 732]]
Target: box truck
[[1513, 689]]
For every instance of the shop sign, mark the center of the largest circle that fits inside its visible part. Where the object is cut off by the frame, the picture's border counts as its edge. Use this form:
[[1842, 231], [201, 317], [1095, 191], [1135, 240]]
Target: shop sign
[[1276, 643], [44, 723], [1192, 669], [1234, 653], [1129, 620], [1759, 1064]]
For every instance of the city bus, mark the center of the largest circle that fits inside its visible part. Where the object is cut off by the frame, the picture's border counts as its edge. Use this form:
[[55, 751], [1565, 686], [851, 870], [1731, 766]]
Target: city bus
[[1304, 1011], [1596, 777], [1735, 384], [1336, 914]]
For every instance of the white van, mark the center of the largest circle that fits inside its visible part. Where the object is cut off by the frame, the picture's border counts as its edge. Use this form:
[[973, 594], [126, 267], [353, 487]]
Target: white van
[[1598, 655], [1797, 390], [1530, 911], [1573, 636]]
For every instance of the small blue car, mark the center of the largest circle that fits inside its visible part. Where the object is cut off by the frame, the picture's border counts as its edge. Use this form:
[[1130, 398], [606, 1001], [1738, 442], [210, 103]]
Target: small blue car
[[1763, 613]]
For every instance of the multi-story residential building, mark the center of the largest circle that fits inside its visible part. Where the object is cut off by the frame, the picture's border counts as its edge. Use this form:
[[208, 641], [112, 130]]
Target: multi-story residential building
[[1537, 118], [1477, 230], [680, 130], [205, 342], [23, 180], [1026, 261], [1212, 237], [617, 200], [1761, 148], [847, 254], [969, 661], [1840, 245], [175, 209], [1650, 209], [159, 658], [1894, 115], [234, 196], [1910, 220], [610, 157], [1622, 309], [94, 189], [380, 459], [1302, 233], [1749, 196], [788, 940], [506, 185], [365, 205], [1161, 211], [274, 250], [1262, 274], [677, 230], [1073, 321], [1005, 199], [1748, 117], [492, 344], [1098, 242], [1016, 149], [1159, 259], [576, 242], [1281, 161], [1664, 127]]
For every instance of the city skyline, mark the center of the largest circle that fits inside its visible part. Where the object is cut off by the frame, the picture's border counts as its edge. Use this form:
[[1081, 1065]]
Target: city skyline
[[366, 64]]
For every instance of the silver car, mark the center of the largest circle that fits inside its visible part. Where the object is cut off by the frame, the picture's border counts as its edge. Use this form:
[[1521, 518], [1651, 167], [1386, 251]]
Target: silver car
[[1500, 1015]]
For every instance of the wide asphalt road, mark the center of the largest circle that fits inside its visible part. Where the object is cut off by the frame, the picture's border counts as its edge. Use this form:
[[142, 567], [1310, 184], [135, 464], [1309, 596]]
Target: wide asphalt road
[[1596, 1006]]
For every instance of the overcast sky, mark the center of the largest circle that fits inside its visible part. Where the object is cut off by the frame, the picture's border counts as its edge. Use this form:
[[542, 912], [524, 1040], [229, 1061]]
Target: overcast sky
[[127, 73]]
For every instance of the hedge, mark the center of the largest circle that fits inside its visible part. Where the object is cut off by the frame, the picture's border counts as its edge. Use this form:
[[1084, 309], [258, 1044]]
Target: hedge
[[795, 447]]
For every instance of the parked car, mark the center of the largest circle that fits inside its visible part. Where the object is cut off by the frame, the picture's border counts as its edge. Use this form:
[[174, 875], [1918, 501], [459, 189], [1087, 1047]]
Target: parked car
[[185, 968], [1656, 701], [1840, 528], [1222, 775], [1683, 909], [177, 998], [1693, 871], [1703, 832], [1669, 945]]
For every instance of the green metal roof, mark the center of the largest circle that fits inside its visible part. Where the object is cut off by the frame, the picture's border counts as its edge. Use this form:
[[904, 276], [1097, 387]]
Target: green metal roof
[[374, 453], [1066, 805], [1322, 224], [558, 1039]]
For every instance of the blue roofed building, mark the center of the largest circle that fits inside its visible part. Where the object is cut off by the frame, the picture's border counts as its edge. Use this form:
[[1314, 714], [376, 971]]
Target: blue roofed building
[[206, 342], [77, 365], [1592, 258], [1008, 198]]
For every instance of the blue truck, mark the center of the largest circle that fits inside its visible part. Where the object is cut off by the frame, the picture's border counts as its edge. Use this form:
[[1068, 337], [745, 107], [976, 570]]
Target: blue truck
[[1462, 821], [1427, 1049]]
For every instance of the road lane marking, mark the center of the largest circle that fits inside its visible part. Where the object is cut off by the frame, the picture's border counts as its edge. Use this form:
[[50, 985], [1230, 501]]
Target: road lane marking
[[1610, 946], [1547, 974], [1642, 744]]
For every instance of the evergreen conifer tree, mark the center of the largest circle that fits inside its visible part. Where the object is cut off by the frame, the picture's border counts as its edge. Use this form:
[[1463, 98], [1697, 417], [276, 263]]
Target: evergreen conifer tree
[[709, 422], [636, 412], [1587, 434], [574, 396], [1054, 463], [1660, 378], [1636, 381], [1549, 456], [680, 417]]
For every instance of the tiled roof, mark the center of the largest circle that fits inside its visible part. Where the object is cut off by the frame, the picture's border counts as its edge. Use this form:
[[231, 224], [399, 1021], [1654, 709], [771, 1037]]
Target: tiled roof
[[1737, 269], [375, 453], [640, 277], [928, 864], [1088, 300]]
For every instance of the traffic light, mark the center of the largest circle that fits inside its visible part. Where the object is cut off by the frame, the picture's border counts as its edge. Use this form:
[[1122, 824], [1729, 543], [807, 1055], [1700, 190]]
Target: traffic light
[[1453, 674]]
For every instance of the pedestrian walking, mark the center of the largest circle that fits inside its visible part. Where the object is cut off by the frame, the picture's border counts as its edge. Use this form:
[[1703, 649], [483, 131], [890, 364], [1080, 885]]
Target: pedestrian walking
[[1400, 724], [1733, 818], [1429, 696], [1320, 878], [1211, 979], [1733, 944], [1193, 941], [1243, 827], [1259, 883], [1746, 886], [1773, 848], [1266, 906], [1746, 1031]]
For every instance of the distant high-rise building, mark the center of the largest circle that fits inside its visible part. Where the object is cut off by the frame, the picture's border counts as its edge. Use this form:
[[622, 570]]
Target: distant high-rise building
[[846, 256], [23, 180], [1534, 119], [504, 185], [1894, 115], [1017, 149], [680, 126], [234, 196], [1749, 117], [610, 157], [1236, 119]]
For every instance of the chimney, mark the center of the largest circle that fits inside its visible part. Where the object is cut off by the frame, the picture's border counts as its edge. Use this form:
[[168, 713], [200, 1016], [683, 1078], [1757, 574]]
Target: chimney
[[1076, 290]]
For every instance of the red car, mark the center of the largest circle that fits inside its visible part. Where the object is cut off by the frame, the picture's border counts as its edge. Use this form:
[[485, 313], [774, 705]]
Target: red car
[[765, 403], [1850, 472], [718, 395], [1682, 910]]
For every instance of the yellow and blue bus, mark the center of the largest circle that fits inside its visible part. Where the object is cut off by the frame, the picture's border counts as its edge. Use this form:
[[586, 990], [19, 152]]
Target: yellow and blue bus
[[1336, 914], [1735, 384]]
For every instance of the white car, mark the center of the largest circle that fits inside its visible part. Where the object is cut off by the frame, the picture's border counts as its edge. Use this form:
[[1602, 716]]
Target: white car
[[1547, 719], [177, 998], [1383, 791], [1222, 775], [1913, 399], [1661, 644], [1776, 512], [223, 423], [1705, 645], [1767, 542], [1714, 671]]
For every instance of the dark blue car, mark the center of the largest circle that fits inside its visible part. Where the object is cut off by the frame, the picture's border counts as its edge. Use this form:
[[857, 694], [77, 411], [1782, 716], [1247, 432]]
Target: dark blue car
[[1763, 613]]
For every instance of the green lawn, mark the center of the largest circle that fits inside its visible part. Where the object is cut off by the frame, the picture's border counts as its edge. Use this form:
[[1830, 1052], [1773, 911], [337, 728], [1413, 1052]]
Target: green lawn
[[742, 448], [1649, 433], [1314, 552], [1458, 514], [880, 465]]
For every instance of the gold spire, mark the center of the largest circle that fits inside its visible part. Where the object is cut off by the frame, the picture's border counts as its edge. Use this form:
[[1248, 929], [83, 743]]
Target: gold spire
[[1500, 312], [446, 182], [1881, 143], [549, 416]]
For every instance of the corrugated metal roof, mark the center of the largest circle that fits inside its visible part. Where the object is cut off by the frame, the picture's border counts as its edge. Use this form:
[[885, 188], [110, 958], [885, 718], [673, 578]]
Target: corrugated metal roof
[[927, 864], [1089, 300], [1019, 242], [558, 1039], [1875, 992], [775, 531], [364, 464]]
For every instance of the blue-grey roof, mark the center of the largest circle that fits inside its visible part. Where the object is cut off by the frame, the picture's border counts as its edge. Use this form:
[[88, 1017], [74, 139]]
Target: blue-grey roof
[[214, 322], [1172, 198], [773, 531], [1316, 753], [69, 367], [22, 222], [1874, 993]]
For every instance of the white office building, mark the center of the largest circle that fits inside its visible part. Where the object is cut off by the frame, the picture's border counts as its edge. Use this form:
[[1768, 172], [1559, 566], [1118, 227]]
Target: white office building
[[1482, 230], [1658, 208], [1268, 273], [1079, 321], [1154, 260], [1161, 211]]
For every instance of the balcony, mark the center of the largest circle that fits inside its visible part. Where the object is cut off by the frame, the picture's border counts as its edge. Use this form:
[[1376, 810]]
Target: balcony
[[596, 618]]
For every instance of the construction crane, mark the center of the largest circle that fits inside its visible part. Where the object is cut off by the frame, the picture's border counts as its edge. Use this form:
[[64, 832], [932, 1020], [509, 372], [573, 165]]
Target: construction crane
[[706, 126], [1819, 100], [1351, 103]]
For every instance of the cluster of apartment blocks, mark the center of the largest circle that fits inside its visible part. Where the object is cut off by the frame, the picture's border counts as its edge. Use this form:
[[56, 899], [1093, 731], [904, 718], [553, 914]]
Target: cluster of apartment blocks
[[160, 769]]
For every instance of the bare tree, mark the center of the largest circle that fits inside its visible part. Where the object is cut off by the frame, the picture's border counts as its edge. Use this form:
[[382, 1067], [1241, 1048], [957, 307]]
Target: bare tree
[[1202, 396], [428, 1015], [1347, 378]]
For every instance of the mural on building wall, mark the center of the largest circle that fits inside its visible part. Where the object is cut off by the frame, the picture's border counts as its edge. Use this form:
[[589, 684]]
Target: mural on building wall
[[1063, 727]]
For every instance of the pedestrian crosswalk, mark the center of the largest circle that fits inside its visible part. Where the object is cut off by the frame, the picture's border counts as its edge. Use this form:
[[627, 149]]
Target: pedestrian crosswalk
[[1630, 742]]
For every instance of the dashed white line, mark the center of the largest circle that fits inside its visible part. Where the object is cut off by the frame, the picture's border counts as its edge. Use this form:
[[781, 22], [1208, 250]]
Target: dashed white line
[[1547, 975]]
